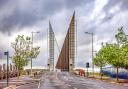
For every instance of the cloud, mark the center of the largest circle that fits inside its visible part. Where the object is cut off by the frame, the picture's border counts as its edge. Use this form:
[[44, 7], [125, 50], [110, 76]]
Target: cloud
[[112, 3], [24, 13], [3, 2], [102, 17]]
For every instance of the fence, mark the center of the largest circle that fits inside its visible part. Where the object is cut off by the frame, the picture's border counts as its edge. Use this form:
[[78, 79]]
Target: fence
[[111, 71], [13, 72]]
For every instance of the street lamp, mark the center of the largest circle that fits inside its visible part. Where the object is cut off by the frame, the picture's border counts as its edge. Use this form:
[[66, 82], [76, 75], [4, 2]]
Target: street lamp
[[7, 53], [32, 47], [92, 50]]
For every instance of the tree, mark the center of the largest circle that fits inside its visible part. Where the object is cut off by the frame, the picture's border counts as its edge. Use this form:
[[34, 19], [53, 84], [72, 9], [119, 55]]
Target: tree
[[23, 51], [99, 60], [121, 37], [115, 54], [125, 56], [109, 54], [122, 40]]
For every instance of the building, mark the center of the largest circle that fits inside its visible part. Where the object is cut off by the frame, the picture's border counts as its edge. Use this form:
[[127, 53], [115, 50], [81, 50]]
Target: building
[[66, 60]]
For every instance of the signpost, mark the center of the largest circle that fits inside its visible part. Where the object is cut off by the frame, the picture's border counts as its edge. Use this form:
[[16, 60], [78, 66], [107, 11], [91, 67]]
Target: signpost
[[7, 53]]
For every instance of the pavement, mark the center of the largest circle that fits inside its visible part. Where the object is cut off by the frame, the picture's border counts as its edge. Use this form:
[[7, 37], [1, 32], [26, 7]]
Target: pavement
[[65, 80], [16, 82]]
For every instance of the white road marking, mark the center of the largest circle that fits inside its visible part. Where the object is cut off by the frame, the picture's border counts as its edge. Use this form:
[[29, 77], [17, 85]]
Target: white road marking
[[74, 87], [39, 84], [68, 84], [11, 87]]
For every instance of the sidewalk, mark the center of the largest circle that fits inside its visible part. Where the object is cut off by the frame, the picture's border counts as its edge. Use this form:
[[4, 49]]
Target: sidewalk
[[122, 82], [17, 81]]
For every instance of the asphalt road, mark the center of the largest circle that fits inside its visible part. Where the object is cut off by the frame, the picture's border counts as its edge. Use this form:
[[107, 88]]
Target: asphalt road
[[64, 80]]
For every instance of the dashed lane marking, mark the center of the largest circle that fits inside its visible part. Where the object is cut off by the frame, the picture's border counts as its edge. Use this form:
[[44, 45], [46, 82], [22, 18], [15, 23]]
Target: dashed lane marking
[[39, 85], [69, 85], [74, 87]]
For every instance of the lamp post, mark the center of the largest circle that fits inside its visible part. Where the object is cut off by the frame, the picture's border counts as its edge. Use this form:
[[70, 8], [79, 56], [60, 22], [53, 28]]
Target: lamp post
[[32, 47], [92, 51], [7, 54]]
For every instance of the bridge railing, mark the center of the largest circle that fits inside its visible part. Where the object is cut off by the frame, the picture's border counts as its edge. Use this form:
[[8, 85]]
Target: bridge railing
[[111, 71], [13, 72]]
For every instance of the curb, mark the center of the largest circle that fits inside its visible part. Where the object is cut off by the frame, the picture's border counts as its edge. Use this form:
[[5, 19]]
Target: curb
[[10, 87], [107, 81]]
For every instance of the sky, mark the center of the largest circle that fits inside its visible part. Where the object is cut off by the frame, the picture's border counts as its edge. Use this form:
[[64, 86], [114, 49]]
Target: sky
[[21, 17]]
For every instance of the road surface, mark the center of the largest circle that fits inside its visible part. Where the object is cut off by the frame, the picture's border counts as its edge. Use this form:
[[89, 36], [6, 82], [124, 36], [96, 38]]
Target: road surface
[[64, 80]]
